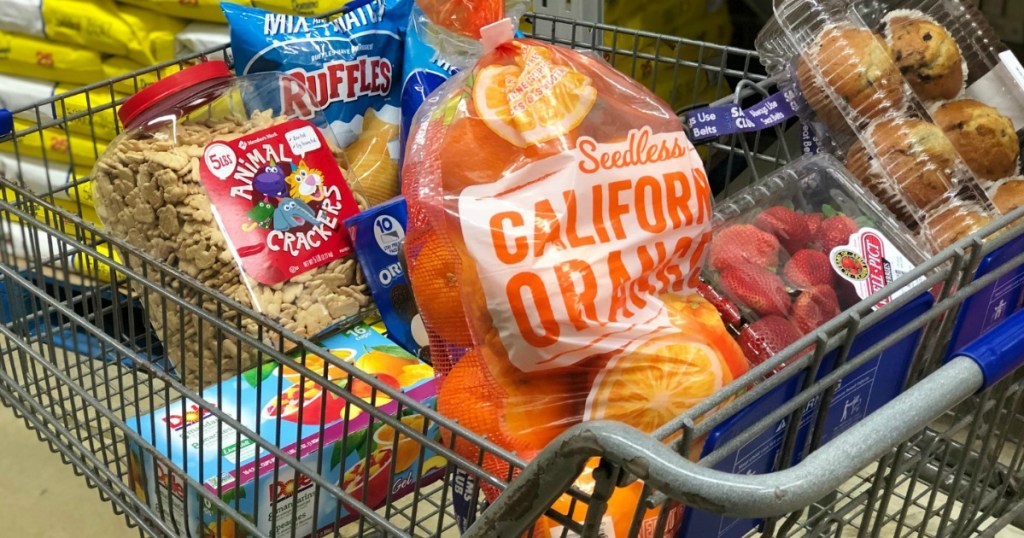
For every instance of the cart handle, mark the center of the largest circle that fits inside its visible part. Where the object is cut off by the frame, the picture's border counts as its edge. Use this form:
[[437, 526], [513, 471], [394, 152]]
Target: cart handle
[[981, 364]]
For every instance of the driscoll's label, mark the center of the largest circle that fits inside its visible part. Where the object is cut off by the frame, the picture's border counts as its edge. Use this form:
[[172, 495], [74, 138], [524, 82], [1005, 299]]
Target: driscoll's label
[[573, 250], [280, 198]]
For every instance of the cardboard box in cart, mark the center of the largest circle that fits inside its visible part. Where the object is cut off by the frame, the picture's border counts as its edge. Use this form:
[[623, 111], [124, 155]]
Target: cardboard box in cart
[[267, 401]]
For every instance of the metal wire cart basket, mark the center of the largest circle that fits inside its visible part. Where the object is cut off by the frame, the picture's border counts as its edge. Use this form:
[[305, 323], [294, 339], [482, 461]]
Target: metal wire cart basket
[[881, 430]]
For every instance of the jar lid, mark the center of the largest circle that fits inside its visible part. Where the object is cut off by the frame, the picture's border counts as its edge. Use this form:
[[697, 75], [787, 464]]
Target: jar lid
[[190, 79]]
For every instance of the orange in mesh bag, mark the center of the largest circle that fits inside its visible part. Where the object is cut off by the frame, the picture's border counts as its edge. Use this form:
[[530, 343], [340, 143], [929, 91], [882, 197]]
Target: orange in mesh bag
[[558, 220]]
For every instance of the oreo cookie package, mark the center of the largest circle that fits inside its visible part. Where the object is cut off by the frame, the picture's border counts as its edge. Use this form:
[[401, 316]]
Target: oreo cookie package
[[378, 235]]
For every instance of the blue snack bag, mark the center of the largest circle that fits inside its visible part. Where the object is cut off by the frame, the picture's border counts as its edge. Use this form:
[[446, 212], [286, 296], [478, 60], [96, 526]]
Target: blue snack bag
[[377, 236], [424, 70], [433, 55], [351, 63]]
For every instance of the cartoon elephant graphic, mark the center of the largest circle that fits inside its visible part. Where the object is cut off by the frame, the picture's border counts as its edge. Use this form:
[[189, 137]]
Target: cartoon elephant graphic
[[292, 213]]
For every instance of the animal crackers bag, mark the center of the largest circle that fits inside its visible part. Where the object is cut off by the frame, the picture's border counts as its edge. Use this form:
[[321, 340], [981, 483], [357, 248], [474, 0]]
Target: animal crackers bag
[[558, 221]]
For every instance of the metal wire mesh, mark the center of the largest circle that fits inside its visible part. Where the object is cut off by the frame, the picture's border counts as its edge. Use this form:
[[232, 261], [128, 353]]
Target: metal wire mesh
[[81, 362]]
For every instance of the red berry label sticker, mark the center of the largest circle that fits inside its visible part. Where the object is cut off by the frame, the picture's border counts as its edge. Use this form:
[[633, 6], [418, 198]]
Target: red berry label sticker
[[871, 263], [280, 198]]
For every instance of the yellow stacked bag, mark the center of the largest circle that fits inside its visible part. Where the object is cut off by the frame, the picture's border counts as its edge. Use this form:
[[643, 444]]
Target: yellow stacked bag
[[48, 48], [145, 36], [26, 56], [29, 241], [22, 94], [209, 10]]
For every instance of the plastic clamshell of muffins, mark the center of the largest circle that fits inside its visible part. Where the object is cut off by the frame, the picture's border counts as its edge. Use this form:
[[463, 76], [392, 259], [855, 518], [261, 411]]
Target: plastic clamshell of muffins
[[1008, 194], [955, 221], [985, 138], [926, 54], [848, 74], [907, 163]]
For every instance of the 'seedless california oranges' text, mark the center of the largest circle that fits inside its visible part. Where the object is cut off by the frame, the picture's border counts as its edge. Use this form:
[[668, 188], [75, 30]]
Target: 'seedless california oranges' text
[[578, 246]]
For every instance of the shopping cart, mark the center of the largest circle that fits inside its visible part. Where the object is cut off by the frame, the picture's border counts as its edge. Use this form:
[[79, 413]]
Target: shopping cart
[[945, 458]]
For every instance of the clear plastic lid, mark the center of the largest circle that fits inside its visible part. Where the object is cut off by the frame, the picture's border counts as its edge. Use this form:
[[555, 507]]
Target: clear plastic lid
[[795, 249], [920, 97]]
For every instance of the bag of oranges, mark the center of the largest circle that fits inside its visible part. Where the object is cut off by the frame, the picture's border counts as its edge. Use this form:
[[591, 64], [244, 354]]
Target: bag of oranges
[[558, 220]]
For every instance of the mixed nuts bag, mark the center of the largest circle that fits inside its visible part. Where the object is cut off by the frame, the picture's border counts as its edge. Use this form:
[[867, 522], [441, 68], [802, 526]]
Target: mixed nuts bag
[[558, 221]]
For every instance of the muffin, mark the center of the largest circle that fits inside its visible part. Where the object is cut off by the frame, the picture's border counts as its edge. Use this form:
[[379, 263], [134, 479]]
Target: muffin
[[984, 137], [863, 166], [916, 157], [926, 54], [854, 64], [1009, 195], [955, 222]]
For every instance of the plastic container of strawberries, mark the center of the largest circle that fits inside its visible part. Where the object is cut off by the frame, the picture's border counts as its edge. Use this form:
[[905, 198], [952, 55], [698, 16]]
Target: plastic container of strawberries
[[793, 238], [795, 249], [879, 113]]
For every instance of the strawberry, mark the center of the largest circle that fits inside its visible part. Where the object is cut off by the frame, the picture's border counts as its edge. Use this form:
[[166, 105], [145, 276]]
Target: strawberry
[[808, 268], [814, 307], [767, 336], [743, 243], [756, 288], [836, 231], [813, 222], [785, 224], [730, 314]]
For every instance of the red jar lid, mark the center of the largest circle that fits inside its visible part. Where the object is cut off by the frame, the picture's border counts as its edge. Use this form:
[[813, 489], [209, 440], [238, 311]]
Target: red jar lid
[[192, 79]]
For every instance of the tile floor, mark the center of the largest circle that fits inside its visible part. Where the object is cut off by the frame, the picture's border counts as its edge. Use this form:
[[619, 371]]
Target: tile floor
[[52, 501]]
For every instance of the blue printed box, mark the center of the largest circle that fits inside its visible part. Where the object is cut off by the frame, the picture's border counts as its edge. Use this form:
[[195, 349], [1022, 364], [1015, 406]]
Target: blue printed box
[[270, 401]]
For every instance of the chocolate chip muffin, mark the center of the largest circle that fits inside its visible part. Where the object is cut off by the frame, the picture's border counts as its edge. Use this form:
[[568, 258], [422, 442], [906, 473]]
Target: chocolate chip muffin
[[854, 64], [926, 54], [984, 137], [955, 222], [916, 157]]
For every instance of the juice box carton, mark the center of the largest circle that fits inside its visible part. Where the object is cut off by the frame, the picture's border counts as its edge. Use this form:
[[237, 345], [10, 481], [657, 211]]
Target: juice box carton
[[268, 401]]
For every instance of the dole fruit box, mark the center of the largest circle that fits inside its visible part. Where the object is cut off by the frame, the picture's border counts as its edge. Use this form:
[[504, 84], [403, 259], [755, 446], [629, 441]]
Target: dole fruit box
[[338, 441]]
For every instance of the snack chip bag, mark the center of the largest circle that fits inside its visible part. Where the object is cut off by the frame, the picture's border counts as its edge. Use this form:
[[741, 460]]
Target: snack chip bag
[[351, 63], [424, 69], [432, 55], [558, 221]]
